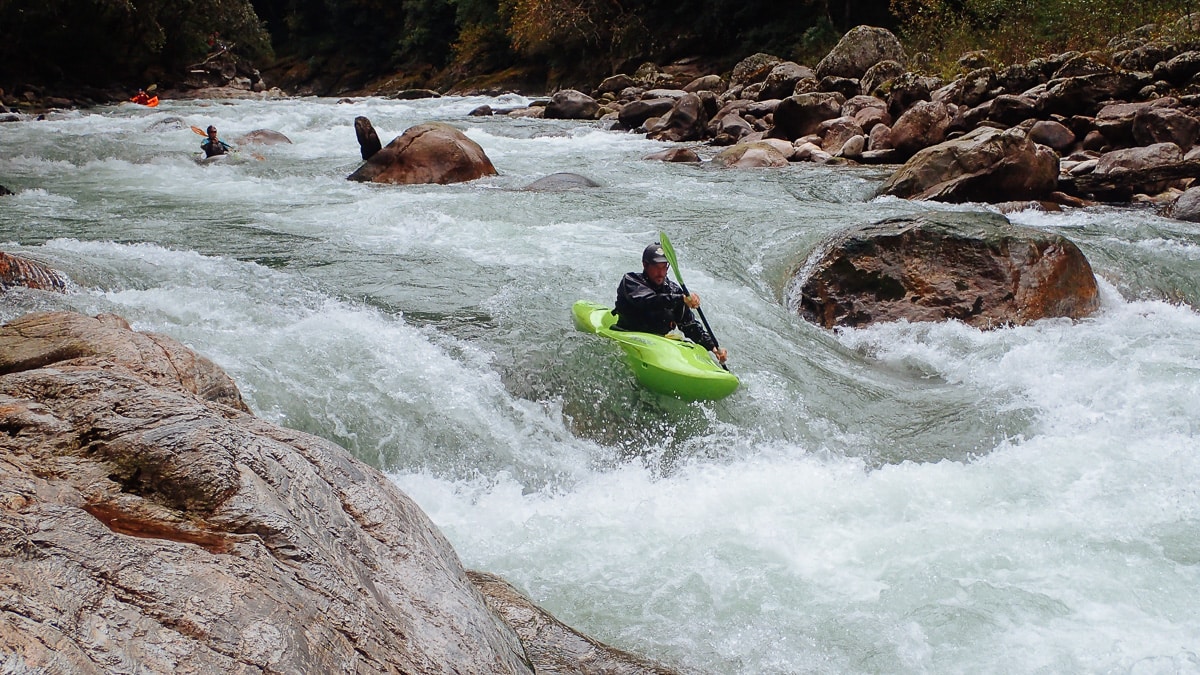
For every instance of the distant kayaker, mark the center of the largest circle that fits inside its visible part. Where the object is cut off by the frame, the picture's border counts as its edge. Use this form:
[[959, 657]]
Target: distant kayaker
[[649, 302], [141, 98], [212, 145]]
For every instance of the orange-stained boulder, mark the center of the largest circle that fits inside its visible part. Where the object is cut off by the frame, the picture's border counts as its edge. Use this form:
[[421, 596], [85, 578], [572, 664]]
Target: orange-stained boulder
[[974, 267], [433, 152], [18, 271]]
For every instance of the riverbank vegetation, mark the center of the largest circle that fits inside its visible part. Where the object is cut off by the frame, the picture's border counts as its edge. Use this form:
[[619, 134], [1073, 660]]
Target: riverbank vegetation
[[336, 46], [1015, 31]]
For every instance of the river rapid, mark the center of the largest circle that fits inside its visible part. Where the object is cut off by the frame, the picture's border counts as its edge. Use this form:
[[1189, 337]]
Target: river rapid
[[905, 498]]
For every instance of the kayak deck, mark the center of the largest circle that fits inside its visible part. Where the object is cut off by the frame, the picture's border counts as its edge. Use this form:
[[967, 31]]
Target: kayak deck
[[664, 364]]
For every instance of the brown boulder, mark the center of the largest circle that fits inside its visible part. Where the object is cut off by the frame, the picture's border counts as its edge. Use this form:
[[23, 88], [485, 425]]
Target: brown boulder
[[985, 165], [433, 152], [18, 271], [570, 104], [368, 140], [758, 154], [879, 77], [972, 267], [1165, 125], [920, 126], [1085, 94], [859, 49], [800, 115], [151, 524], [635, 114], [686, 121], [753, 68], [674, 155]]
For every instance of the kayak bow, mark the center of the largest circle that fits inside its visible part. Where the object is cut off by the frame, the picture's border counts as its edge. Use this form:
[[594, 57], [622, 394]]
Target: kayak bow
[[663, 364]]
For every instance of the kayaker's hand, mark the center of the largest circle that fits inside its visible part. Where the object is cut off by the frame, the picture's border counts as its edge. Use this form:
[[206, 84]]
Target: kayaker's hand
[[721, 354], [692, 301]]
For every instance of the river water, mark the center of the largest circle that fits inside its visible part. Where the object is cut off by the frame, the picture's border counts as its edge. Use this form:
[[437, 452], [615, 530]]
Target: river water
[[906, 498]]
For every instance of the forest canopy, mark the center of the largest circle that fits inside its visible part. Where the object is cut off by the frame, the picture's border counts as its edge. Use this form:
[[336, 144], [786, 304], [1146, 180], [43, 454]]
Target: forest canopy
[[104, 42]]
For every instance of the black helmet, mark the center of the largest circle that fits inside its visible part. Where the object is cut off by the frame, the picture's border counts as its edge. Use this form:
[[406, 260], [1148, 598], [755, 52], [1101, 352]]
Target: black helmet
[[654, 254]]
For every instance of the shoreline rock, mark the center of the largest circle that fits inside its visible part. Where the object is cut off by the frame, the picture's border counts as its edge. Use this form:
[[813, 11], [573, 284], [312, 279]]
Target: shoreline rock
[[148, 518]]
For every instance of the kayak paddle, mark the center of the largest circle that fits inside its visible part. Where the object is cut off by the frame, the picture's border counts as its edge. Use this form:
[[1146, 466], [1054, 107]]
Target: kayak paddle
[[670, 253], [232, 148]]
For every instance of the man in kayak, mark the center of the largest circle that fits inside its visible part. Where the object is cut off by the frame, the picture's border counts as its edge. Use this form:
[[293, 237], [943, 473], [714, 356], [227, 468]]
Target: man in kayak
[[649, 302], [141, 98], [212, 145]]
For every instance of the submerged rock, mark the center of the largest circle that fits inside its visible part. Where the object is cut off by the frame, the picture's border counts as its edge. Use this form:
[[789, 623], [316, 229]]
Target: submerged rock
[[557, 182], [972, 267], [263, 137]]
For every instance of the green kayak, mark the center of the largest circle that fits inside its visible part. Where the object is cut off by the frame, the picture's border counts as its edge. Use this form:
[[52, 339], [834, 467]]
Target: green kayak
[[666, 365]]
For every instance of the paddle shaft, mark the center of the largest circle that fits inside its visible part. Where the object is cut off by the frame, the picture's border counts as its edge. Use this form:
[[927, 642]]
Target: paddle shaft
[[669, 251]]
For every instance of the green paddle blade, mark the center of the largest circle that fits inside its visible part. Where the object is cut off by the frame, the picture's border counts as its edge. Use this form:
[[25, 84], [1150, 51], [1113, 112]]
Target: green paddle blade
[[669, 251]]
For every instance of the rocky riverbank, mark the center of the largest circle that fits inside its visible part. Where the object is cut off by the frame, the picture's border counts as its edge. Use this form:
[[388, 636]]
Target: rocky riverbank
[[1069, 129]]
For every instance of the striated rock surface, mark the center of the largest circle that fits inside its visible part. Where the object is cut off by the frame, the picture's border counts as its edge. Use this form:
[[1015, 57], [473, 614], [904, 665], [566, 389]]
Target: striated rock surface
[[433, 152], [972, 267], [149, 523], [18, 271], [552, 646]]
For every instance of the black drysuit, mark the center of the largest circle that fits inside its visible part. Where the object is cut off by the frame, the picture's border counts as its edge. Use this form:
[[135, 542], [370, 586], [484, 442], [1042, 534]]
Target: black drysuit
[[646, 308]]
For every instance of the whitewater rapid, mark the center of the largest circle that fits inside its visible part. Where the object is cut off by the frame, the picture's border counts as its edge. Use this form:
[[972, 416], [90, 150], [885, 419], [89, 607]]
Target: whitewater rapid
[[904, 498]]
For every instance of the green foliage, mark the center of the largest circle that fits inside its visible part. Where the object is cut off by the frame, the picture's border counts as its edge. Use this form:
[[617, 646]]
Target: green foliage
[[107, 41], [1015, 31]]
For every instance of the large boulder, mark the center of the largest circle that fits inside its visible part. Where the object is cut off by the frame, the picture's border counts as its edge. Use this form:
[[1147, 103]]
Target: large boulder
[[879, 77], [1186, 206], [781, 81], [635, 114], [800, 115], [752, 69], [263, 137], [920, 127], [858, 50], [1137, 160], [686, 121], [433, 152], [570, 104], [984, 165], [1086, 94], [149, 523], [972, 267], [755, 155], [1165, 125], [18, 271]]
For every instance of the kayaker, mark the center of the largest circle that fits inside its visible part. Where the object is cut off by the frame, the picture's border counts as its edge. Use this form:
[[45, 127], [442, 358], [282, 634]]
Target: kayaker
[[212, 145], [141, 98], [649, 302]]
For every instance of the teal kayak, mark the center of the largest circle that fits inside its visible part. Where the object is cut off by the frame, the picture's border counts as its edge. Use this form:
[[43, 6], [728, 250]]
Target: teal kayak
[[664, 364]]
